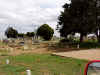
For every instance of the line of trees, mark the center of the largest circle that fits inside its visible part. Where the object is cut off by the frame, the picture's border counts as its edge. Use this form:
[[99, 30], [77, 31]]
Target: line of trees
[[44, 31], [80, 16]]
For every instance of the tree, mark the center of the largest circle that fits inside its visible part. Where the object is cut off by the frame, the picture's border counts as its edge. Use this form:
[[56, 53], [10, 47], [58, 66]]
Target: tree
[[78, 17], [21, 35], [30, 34], [45, 31], [11, 33], [97, 20]]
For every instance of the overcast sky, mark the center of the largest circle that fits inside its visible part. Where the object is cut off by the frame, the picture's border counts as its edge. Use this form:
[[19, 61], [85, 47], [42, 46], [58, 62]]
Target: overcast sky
[[26, 15]]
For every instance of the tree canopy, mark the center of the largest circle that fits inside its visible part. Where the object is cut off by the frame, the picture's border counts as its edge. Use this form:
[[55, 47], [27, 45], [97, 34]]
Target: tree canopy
[[45, 31], [11, 33], [78, 17], [21, 35], [30, 34]]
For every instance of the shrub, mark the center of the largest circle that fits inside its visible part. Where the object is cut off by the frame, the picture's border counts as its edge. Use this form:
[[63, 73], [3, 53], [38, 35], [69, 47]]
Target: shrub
[[73, 43], [89, 45]]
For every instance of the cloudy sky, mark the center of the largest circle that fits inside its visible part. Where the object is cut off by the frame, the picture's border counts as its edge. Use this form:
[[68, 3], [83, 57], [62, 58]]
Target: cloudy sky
[[27, 15]]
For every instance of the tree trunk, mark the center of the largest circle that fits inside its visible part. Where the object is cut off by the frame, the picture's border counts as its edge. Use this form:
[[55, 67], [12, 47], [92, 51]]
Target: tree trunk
[[81, 37]]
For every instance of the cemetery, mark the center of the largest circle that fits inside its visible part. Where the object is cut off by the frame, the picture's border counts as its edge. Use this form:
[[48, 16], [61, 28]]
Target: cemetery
[[30, 46], [21, 58], [45, 56], [35, 56]]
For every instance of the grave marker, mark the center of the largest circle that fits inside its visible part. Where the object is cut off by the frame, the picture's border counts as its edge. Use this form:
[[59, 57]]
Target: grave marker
[[7, 61], [78, 46], [28, 72]]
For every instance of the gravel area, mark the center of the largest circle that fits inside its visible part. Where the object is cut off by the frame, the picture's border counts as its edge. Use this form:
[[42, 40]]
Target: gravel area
[[91, 54]]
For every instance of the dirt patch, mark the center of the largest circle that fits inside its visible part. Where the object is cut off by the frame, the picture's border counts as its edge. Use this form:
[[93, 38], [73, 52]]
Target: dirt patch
[[44, 48], [91, 54], [27, 48]]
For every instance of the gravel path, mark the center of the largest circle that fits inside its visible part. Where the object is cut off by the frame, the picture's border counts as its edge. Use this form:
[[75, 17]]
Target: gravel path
[[91, 54]]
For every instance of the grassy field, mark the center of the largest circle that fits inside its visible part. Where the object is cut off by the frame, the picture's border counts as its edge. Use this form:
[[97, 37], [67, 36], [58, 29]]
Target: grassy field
[[39, 60], [41, 64]]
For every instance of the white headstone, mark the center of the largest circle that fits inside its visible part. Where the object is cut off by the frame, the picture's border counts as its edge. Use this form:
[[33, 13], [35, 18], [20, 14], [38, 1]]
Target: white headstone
[[25, 47], [98, 31], [78, 46], [28, 72], [7, 61]]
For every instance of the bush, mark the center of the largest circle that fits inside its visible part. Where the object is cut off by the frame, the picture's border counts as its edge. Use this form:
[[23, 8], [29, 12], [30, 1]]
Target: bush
[[64, 40], [73, 43], [89, 45]]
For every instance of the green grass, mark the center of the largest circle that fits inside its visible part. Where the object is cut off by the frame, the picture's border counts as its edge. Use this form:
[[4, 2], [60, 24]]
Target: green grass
[[41, 63]]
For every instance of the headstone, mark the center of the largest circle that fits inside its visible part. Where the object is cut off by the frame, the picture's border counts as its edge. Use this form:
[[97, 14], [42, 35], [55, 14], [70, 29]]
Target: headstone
[[28, 72], [25, 47], [36, 42], [32, 40], [21, 43], [11, 49], [98, 32], [7, 61], [78, 46], [13, 41]]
